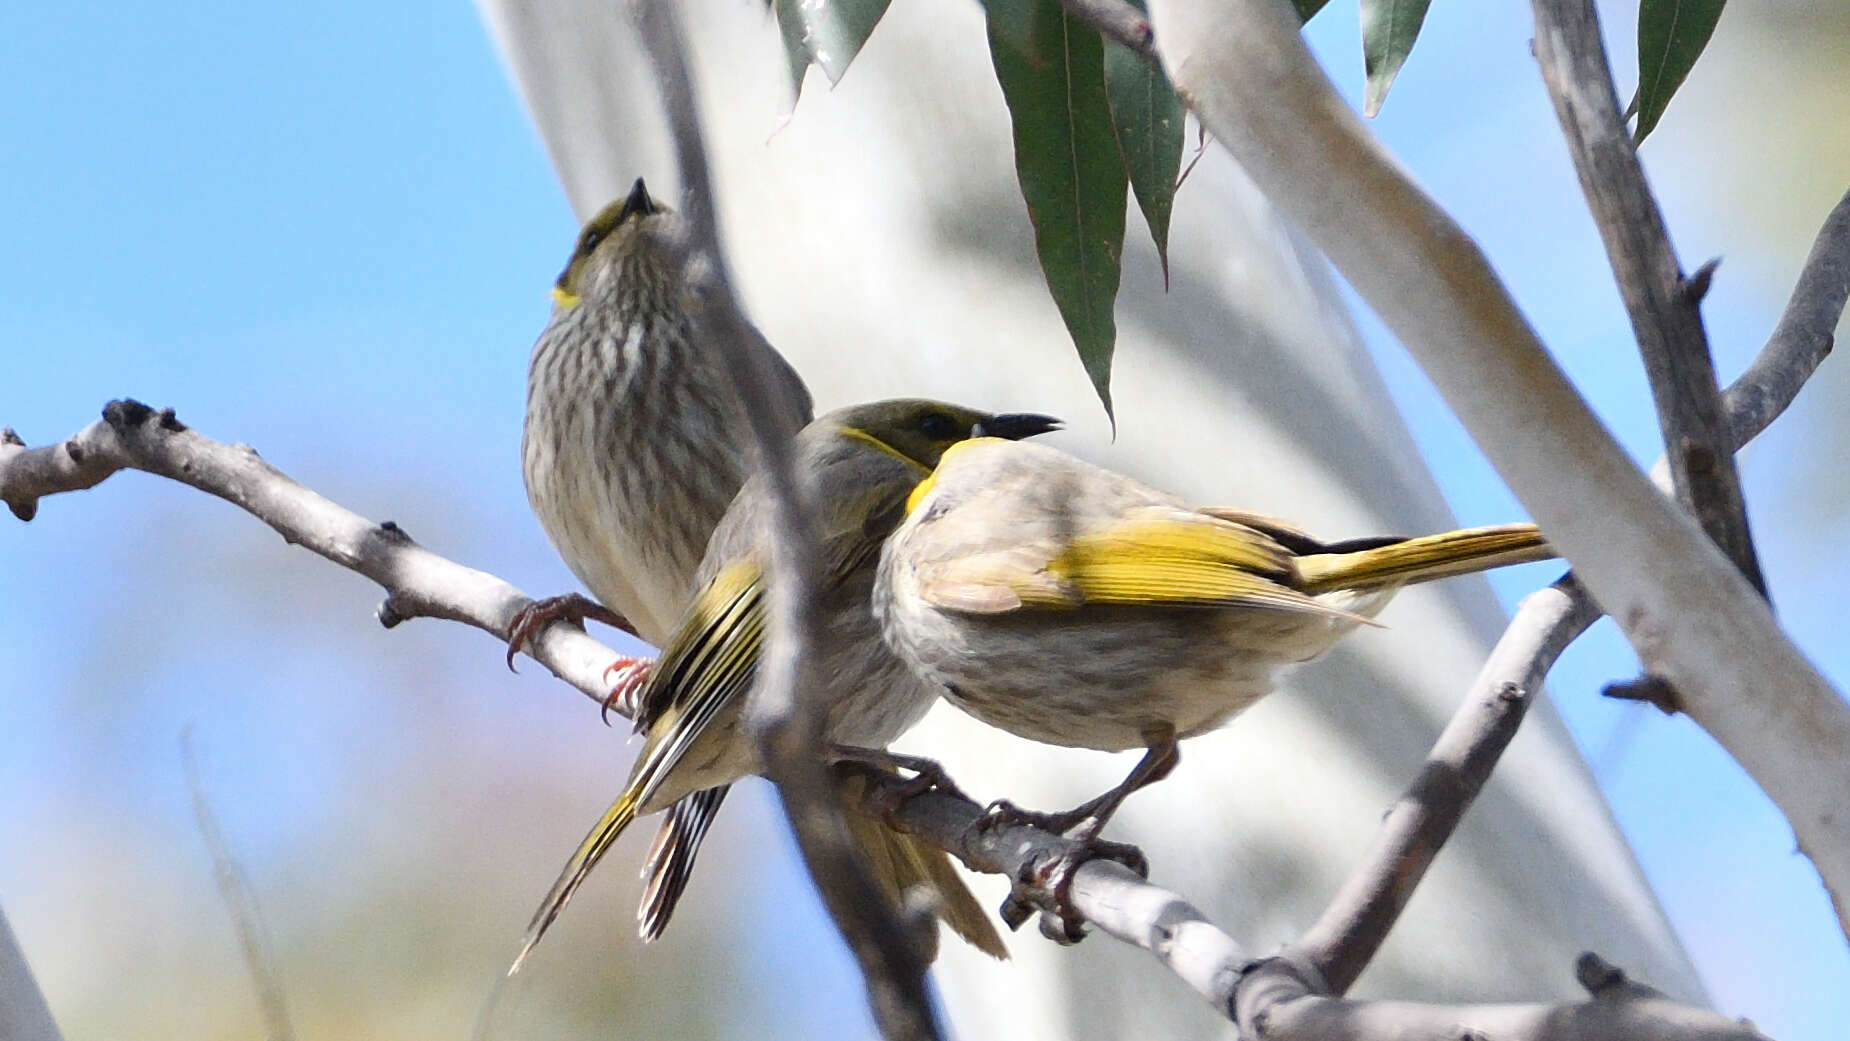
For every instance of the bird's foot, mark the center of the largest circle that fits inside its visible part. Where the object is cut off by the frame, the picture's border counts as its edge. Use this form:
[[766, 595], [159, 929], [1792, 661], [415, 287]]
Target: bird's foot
[[574, 608], [626, 677], [1046, 885], [927, 775]]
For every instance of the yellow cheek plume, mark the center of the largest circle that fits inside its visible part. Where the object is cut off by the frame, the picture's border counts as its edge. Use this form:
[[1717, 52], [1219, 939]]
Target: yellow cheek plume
[[563, 298]]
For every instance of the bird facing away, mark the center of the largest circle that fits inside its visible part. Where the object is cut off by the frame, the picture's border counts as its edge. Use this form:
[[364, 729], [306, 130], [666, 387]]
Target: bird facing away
[[1075, 606], [635, 439], [635, 442], [862, 462]]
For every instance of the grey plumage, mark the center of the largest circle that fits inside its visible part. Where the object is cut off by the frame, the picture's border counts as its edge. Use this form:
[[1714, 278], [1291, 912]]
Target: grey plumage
[[635, 442]]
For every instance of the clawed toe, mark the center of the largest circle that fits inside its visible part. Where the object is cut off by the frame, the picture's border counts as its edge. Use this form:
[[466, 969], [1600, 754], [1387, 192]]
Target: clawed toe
[[1046, 885], [575, 608], [627, 677]]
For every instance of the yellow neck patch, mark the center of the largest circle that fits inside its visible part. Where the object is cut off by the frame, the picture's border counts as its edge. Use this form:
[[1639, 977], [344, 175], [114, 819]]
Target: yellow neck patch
[[931, 481], [563, 298], [870, 440]]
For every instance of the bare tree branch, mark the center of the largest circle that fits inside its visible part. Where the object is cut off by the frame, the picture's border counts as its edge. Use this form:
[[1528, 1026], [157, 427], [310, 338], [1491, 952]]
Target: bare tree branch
[[417, 582], [1344, 940], [1802, 339], [24, 1016], [1665, 307], [1243, 69], [1352, 928], [1117, 21], [1281, 998], [1283, 1003], [787, 726]]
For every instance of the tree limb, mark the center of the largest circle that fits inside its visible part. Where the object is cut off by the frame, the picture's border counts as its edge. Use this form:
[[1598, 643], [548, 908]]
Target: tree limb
[[1665, 307], [417, 582], [787, 726], [1688, 612]]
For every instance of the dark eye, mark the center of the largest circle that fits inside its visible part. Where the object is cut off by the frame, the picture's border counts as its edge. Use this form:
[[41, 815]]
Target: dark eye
[[939, 427], [589, 242]]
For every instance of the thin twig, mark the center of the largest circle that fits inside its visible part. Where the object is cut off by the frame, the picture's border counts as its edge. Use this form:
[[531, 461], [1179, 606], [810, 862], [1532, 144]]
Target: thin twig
[[1117, 21], [1345, 938], [1665, 307], [787, 726], [240, 901]]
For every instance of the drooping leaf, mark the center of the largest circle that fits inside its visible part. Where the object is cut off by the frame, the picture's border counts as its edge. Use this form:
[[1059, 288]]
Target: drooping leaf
[[828, 33], [1389, 28], [1066, 158], [1671, 35], [1148, 118], [1308, 8]]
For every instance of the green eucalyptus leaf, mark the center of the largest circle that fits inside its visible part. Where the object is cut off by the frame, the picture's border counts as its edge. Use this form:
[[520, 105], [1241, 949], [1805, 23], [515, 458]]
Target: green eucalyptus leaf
[[1308, 9], [1066, 157], [1671, 35], [1148, 118], [1389, 28], [828, 33]]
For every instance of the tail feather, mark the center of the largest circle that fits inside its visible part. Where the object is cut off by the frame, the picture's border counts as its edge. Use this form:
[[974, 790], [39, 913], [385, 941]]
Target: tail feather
[[1423, 559], [671, 859], [900, 861], [589, 852]]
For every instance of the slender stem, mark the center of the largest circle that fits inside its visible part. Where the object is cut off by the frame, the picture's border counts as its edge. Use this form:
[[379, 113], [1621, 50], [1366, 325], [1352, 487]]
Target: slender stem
[[1665, 307]]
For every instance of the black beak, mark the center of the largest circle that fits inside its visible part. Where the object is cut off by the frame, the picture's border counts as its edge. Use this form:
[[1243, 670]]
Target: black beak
[[1015, 425], [637, 203]]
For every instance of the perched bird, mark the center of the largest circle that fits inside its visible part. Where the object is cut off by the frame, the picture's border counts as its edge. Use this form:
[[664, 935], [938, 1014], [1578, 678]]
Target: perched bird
[[862, 462], [635, 442], [1075, 606]]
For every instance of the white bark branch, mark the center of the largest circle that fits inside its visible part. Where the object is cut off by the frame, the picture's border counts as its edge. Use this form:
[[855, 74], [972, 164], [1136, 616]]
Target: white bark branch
[[1245, 72], [417, 582]]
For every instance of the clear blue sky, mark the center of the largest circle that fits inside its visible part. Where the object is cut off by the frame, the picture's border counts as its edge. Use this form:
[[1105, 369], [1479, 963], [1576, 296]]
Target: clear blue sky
[[329, 230]]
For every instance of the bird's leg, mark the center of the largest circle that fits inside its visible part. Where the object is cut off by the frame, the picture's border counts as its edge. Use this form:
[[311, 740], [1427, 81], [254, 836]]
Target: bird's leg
[[927, 775], [1061, 922], [626, 676], [572, 607], [1087, 819]]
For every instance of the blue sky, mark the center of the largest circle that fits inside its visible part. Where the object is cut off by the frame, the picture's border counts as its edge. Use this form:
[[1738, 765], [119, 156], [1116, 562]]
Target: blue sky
[[329, 230]]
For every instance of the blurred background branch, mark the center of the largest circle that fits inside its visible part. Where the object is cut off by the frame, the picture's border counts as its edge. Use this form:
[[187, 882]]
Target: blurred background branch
[[24, 1015], [785, 719]]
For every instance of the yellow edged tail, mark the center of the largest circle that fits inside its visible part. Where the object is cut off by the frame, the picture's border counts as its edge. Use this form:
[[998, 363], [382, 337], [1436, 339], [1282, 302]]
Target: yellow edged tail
[[1423, 559], [589, 852]]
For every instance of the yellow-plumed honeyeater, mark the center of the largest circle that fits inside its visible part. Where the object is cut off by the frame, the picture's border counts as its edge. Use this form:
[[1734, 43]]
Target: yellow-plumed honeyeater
[[1075, 606], [861, 463], [635, 442]]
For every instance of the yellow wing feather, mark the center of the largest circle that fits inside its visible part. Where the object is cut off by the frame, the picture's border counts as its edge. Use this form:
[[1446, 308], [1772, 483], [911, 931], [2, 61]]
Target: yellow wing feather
[[1159, 557]]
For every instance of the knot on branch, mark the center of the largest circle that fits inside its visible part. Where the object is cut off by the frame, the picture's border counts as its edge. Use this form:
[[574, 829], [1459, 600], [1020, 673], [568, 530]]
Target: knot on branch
[[126, 414]]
